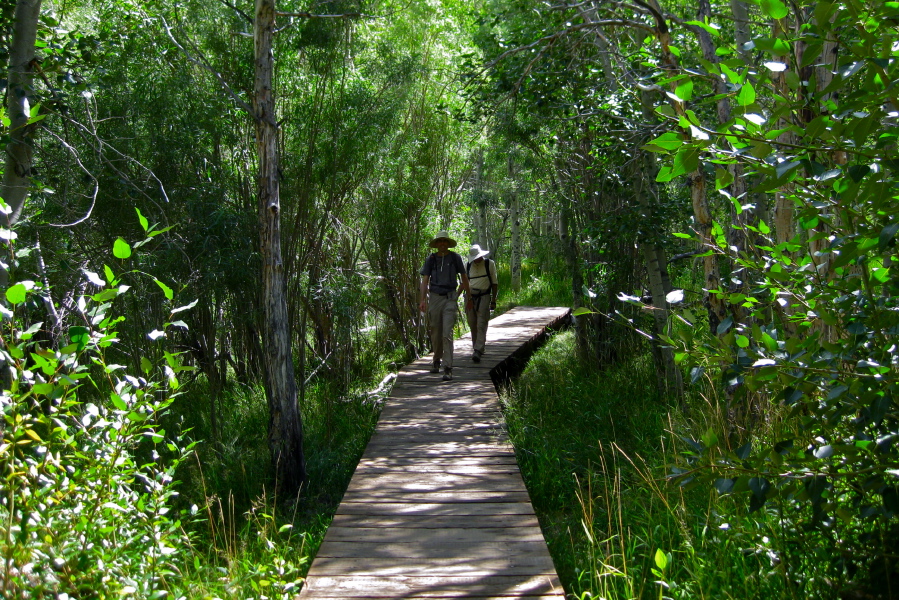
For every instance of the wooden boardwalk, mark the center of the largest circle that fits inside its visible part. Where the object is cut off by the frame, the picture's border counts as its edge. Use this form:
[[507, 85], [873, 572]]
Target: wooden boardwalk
[[437, 507]]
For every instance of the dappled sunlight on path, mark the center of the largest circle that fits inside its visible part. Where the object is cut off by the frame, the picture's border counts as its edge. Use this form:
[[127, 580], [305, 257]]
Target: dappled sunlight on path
[[437, 507]]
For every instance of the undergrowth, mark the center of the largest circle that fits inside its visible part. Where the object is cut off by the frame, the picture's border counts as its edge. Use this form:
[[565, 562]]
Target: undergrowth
[[595, 448], [250, 544]]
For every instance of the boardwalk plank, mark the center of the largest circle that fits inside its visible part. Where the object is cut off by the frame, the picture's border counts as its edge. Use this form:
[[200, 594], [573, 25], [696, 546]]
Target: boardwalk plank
[[435, 509], [434, 522], [527, 564], [429, 497], [369, 586], [407, 535], [423, 550], [435, 480]]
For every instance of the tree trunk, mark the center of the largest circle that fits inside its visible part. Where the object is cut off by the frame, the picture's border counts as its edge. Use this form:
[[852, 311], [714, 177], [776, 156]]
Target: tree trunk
[[737, 188], [670, 381], [515, 259], [480, 204], [702, 215], [784, 209], [19, 150], [285, 432], [741, 29], [573, 263]]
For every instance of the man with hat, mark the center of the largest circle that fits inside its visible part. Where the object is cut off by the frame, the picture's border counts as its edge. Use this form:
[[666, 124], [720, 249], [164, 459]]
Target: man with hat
[[483, 288], [438, 297]]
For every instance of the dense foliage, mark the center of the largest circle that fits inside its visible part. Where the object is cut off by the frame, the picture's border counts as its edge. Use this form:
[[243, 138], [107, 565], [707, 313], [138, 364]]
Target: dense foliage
[[713, 188]]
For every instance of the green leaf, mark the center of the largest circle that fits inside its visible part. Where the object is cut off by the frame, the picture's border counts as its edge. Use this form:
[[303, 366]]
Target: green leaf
[[774, 8], [16, 294], [43, 389], [118, 402], [687, 159], [724, 325], [723, 178], [582, 311], [110, 276], [667, 142], [724, 485], [165, 289], [665, 110], [773, 46], [711, 29], [143, 220], [685, 236], [121, 249], [79, 336], [732, 76], [746, 95], [29, 333], [145, 365], [887, 234], [710, 438], [684, 90], [666, 173], [661, 559], [786, 167]]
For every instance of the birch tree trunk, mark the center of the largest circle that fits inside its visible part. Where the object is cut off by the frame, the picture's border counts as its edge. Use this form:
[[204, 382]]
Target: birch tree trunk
[[741, 29], [573, 263], [784, 209], [480, 203], [516, 242], [515, 206], [737, 188], [669, 379], [285, 432], [702, 215], [19, 150]]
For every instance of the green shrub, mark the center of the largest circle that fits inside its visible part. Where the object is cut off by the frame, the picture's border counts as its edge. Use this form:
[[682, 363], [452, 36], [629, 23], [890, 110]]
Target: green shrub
[[88, 475]]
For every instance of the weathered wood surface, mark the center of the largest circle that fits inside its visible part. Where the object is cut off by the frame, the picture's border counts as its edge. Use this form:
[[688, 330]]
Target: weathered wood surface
[[436, 507]]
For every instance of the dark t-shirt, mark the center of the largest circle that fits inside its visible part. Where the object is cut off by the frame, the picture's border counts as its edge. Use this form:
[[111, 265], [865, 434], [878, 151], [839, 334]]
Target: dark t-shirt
[[443, 271]]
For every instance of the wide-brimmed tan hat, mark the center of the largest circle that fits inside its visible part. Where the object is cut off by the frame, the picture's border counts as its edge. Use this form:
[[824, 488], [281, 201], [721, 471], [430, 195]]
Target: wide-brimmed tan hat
[[442, 235], [477, 252]]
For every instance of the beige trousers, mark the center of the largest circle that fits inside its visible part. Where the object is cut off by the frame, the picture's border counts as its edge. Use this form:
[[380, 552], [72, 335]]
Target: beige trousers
[[477, 317], [442, 312]]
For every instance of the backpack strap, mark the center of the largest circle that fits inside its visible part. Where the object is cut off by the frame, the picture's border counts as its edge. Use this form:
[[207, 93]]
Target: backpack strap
[[489, 278]]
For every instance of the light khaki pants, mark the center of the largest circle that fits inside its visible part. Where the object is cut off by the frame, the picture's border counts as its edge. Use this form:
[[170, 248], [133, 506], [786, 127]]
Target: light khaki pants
[[442, 311], [477, 318]]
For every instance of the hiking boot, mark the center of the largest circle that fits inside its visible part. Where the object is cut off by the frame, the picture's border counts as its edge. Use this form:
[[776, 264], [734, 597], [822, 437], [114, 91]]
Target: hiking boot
[[447, 374], [435, 367], [475, 357]]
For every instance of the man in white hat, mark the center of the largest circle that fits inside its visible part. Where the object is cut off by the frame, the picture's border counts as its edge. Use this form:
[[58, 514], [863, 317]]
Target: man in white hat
[[438, 296], [481, 273]]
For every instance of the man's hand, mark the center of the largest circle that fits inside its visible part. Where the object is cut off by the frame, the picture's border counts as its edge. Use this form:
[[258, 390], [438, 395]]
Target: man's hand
[[423, 306]]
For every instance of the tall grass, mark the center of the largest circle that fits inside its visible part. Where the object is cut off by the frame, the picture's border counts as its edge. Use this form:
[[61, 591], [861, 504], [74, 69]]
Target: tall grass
[[247, 543], [539, 287], [594, 449]]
